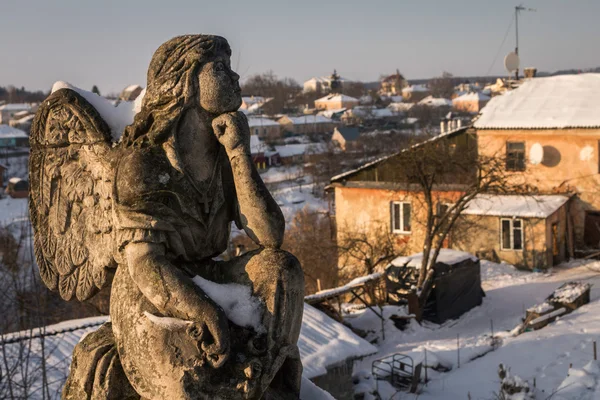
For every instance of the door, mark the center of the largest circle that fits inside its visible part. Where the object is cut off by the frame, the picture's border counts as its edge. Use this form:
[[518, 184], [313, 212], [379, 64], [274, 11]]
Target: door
[[591, 232], [555, 245]]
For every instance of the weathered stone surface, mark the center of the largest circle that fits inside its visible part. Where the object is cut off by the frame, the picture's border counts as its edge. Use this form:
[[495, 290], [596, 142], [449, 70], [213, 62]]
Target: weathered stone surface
[[149, 213]]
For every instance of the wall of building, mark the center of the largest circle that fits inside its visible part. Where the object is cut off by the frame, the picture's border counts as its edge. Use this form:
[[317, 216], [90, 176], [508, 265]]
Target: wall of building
[[472, 106], [481, 235], [360, 210], [266, 132], [571, 162], [338, 380]]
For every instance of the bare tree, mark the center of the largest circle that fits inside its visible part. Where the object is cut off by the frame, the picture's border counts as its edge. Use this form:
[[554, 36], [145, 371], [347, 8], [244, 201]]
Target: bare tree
[[442, 86], [448, 165], [281, 91], [311, 239]]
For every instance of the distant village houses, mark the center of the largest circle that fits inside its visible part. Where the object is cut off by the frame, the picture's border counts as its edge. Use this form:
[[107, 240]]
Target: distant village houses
[[8, 112], [336, 101], [392, 85], [264, 128], [307, 124], [471, 102], [346, 138]]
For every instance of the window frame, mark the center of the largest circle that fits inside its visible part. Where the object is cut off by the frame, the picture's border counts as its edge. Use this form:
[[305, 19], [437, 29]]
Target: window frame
[[516, 167], [512, 228], [402, 229]]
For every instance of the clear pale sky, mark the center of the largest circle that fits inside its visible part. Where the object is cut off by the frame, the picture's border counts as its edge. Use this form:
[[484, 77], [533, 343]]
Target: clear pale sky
[[110, 42]]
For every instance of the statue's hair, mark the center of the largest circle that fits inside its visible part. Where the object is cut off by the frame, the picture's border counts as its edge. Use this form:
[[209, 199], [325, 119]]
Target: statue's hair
[[172, 86]]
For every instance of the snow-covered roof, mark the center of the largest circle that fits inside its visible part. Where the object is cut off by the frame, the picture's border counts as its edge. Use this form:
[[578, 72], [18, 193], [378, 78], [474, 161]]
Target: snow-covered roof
[[325, 342], [10, 132], [290, 150], [310, 119], [330, 113], [257, 145], [473, 96], [415, 88], [131, 88], [436, 102], [399, 106], [27, 118], [21, 113], [324, 79], [15, 107], [259, 122], [329, 293], [541, 206], [446, 256], [564, 101], [337, 97]]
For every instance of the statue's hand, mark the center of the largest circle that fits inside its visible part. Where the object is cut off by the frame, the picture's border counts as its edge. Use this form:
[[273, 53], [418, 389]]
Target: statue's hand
[[212, 336], [231, 129]]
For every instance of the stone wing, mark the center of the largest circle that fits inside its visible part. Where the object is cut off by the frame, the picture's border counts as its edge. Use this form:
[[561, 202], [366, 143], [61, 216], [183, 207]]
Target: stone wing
[[70, 201]]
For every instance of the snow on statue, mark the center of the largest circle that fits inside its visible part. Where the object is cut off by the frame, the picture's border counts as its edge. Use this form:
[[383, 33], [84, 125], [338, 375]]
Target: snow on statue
[[147, 214]]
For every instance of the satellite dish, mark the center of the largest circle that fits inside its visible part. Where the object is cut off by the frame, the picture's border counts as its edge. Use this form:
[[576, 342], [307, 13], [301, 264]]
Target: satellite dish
[[511, 62], [536, 154]]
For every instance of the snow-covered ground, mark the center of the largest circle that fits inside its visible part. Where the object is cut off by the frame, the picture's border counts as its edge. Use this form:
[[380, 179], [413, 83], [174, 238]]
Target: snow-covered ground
[[543, 355]]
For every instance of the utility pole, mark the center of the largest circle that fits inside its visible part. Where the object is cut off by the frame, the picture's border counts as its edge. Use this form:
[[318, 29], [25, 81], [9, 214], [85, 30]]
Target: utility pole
[[517, 10]]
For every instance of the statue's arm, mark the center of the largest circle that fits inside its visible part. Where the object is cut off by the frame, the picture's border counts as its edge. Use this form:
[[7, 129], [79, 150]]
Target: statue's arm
[[174, 294], [260, 215]]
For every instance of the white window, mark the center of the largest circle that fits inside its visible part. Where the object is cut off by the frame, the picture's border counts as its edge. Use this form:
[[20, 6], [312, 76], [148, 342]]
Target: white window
[[511, 234], [401, 218]]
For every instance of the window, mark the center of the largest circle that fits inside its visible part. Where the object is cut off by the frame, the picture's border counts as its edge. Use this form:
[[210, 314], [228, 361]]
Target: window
[[511, 235], [442, 209], [256, 131], [515, 156], [401, 217]]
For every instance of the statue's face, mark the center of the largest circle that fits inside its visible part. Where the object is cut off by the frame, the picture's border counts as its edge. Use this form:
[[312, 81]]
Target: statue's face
[[219, 86]]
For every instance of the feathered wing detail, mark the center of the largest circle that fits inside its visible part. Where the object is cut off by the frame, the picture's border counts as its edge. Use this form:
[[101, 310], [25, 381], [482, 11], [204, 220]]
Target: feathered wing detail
[[70, 202]]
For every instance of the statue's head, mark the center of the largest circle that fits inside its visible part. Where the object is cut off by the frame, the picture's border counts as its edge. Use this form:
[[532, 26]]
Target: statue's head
[[185, 72]]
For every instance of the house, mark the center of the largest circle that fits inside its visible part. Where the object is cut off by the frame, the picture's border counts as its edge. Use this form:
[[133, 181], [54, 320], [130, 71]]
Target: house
[[9, 111], [257, 152], [336, 101], [549, 131], [531, 231], [526, 230], [307, 124], [328, 350], [130, 93], [392, 85], [12, 137], [264, 127], [318, 84], [375, 198], [414, 93], [17, 188], [299, 153], [471, 102], [346, 137]]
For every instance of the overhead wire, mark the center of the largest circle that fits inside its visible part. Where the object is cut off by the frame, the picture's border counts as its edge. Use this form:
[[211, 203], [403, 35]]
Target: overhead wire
[[512, 21]]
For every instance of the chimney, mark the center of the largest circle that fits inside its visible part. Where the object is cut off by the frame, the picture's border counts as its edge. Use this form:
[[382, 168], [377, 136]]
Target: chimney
[[530, 72]]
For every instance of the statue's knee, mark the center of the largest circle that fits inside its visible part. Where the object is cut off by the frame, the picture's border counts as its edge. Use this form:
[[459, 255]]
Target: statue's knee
[[283, 266]]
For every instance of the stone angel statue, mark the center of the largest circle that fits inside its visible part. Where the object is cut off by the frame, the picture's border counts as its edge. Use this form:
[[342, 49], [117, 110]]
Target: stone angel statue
[[148, 214]]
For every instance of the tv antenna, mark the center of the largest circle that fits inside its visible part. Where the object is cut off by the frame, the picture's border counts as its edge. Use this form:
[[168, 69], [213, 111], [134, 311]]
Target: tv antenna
[[518, 9]]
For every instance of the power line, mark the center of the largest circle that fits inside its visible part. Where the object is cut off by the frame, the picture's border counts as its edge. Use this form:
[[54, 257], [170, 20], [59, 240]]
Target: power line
[[512, 20]]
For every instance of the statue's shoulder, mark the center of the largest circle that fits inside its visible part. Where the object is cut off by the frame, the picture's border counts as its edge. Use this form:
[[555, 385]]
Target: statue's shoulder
[[141, 172]]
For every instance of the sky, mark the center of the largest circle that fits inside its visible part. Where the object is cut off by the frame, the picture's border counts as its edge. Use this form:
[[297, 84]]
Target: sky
[[110, 43]]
